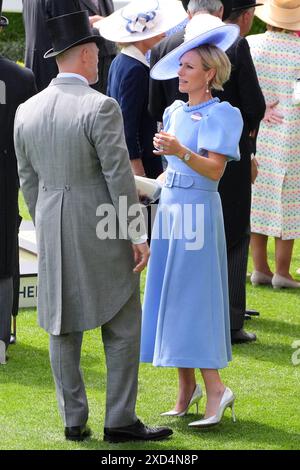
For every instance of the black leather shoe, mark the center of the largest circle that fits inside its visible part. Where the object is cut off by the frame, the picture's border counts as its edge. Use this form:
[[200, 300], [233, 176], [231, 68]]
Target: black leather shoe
[[252, 313], [241, 336], [77, 433], [136, 432], [247, 317]]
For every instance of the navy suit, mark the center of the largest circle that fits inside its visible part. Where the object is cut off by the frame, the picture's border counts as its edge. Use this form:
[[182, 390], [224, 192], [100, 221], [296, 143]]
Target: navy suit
[[243, 91], [128, 83], [19, 86], [107, 49], [162, 93]]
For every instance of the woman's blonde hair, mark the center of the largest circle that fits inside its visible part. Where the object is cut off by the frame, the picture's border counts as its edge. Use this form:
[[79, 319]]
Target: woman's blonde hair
[[214, 58]]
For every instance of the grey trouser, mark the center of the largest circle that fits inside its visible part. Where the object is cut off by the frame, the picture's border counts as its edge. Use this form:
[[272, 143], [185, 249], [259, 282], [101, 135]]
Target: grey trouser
[[121, 339], [6, 304]]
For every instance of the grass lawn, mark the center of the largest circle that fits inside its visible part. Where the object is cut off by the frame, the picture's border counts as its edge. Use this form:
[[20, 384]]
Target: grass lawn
[[262, 376]]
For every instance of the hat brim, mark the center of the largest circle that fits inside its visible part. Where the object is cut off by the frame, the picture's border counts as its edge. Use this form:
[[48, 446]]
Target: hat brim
[[247, 7], [51, 53], [222, 37], [264, 14], [3, 21], [113, 27]]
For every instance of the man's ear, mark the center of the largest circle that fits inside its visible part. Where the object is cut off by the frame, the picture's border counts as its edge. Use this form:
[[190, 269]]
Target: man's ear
[[246, 15], [84, 54]]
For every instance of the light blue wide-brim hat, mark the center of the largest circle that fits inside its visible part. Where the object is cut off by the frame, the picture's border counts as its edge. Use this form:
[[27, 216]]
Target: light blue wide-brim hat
[[202, 29]]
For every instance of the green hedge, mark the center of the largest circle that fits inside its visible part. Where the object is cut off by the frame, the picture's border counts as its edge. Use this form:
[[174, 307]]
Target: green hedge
[[258, 26], [12, 38]]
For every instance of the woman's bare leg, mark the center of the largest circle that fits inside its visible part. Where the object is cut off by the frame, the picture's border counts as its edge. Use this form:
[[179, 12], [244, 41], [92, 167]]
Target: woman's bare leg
[[258, 244], [214, 390], [187, 384], [283, 256]]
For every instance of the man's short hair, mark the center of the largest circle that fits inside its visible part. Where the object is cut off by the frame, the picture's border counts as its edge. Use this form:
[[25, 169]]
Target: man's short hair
[[209, 6], [234, 15]]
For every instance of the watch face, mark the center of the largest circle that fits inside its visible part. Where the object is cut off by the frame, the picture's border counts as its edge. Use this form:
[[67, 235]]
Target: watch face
[[187, 157]]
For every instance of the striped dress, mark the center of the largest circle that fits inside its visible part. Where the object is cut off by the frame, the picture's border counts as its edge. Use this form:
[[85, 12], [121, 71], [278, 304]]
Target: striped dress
[[276, 192]]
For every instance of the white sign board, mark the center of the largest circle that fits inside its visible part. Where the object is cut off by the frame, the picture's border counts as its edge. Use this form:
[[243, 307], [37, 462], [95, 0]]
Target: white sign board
[[28, 292], [12, 5], [28, 265]]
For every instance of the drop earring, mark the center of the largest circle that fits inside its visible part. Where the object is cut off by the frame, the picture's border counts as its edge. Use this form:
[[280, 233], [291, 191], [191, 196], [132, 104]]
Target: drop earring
[[207, 87]]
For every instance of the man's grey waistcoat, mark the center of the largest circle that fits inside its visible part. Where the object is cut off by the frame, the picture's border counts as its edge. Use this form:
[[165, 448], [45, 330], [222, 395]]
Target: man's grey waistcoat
[[72, 157]]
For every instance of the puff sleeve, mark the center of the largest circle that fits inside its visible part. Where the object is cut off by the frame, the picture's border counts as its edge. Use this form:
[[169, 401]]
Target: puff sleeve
[[220, 131], [170, 113]]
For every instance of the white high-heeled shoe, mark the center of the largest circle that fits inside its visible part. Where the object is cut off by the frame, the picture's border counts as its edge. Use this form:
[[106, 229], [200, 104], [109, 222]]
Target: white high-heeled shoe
[[279, 282], [196, 397], [227, 401], [257, 279]]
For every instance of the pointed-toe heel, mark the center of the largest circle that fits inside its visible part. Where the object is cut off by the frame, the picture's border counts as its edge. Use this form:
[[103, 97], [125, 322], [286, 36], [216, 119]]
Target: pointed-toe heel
[[195, 399], [280, 282], [227, 401], [257, 279]]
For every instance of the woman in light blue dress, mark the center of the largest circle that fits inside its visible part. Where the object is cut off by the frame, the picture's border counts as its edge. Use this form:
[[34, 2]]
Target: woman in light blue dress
[[186, 313]]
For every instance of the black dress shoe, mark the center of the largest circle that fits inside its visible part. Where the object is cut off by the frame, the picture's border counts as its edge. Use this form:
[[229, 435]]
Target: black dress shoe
[[247, 317], [136, 432], [252, 313], [77, 433], [241, 336]]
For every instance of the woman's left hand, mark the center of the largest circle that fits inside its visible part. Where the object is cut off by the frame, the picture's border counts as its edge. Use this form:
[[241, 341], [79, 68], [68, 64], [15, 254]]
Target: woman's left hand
[[166, 144]]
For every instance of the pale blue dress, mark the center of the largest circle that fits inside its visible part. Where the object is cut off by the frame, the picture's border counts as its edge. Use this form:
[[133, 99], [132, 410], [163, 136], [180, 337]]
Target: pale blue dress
[[186, 308]]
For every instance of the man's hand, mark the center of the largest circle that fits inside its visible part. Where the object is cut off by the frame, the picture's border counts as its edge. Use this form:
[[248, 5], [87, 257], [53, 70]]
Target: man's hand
[[272, 115], [141, 255], [95, 18], [137, 167], [254, 170]]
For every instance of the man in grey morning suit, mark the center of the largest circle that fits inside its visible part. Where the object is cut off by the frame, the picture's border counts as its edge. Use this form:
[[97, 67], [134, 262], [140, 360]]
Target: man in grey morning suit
[[72, 159]]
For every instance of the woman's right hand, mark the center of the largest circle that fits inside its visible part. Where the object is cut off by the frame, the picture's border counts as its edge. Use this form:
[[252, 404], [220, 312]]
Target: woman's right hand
[[166, 144]]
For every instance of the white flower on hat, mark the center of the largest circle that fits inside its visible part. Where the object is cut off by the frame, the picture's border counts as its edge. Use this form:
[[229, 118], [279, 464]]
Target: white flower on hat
[[139, 23]]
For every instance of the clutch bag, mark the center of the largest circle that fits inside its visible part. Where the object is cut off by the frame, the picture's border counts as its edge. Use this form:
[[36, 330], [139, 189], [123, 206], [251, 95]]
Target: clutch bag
[[148, 189]]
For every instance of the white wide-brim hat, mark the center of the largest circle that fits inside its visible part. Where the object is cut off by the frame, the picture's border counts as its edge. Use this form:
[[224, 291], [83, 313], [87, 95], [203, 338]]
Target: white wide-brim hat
[[283, 14], [141, 19], [202, 29]]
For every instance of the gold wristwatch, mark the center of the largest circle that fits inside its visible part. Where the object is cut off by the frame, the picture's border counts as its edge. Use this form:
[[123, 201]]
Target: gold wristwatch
[[187, 155]]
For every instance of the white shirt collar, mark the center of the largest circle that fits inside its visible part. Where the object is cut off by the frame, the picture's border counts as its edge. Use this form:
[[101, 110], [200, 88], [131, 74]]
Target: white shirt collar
[[134, 52], [70, 75]]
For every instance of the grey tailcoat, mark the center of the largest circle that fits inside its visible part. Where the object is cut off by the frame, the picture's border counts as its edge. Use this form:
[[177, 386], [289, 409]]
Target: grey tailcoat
[[72, 157]]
